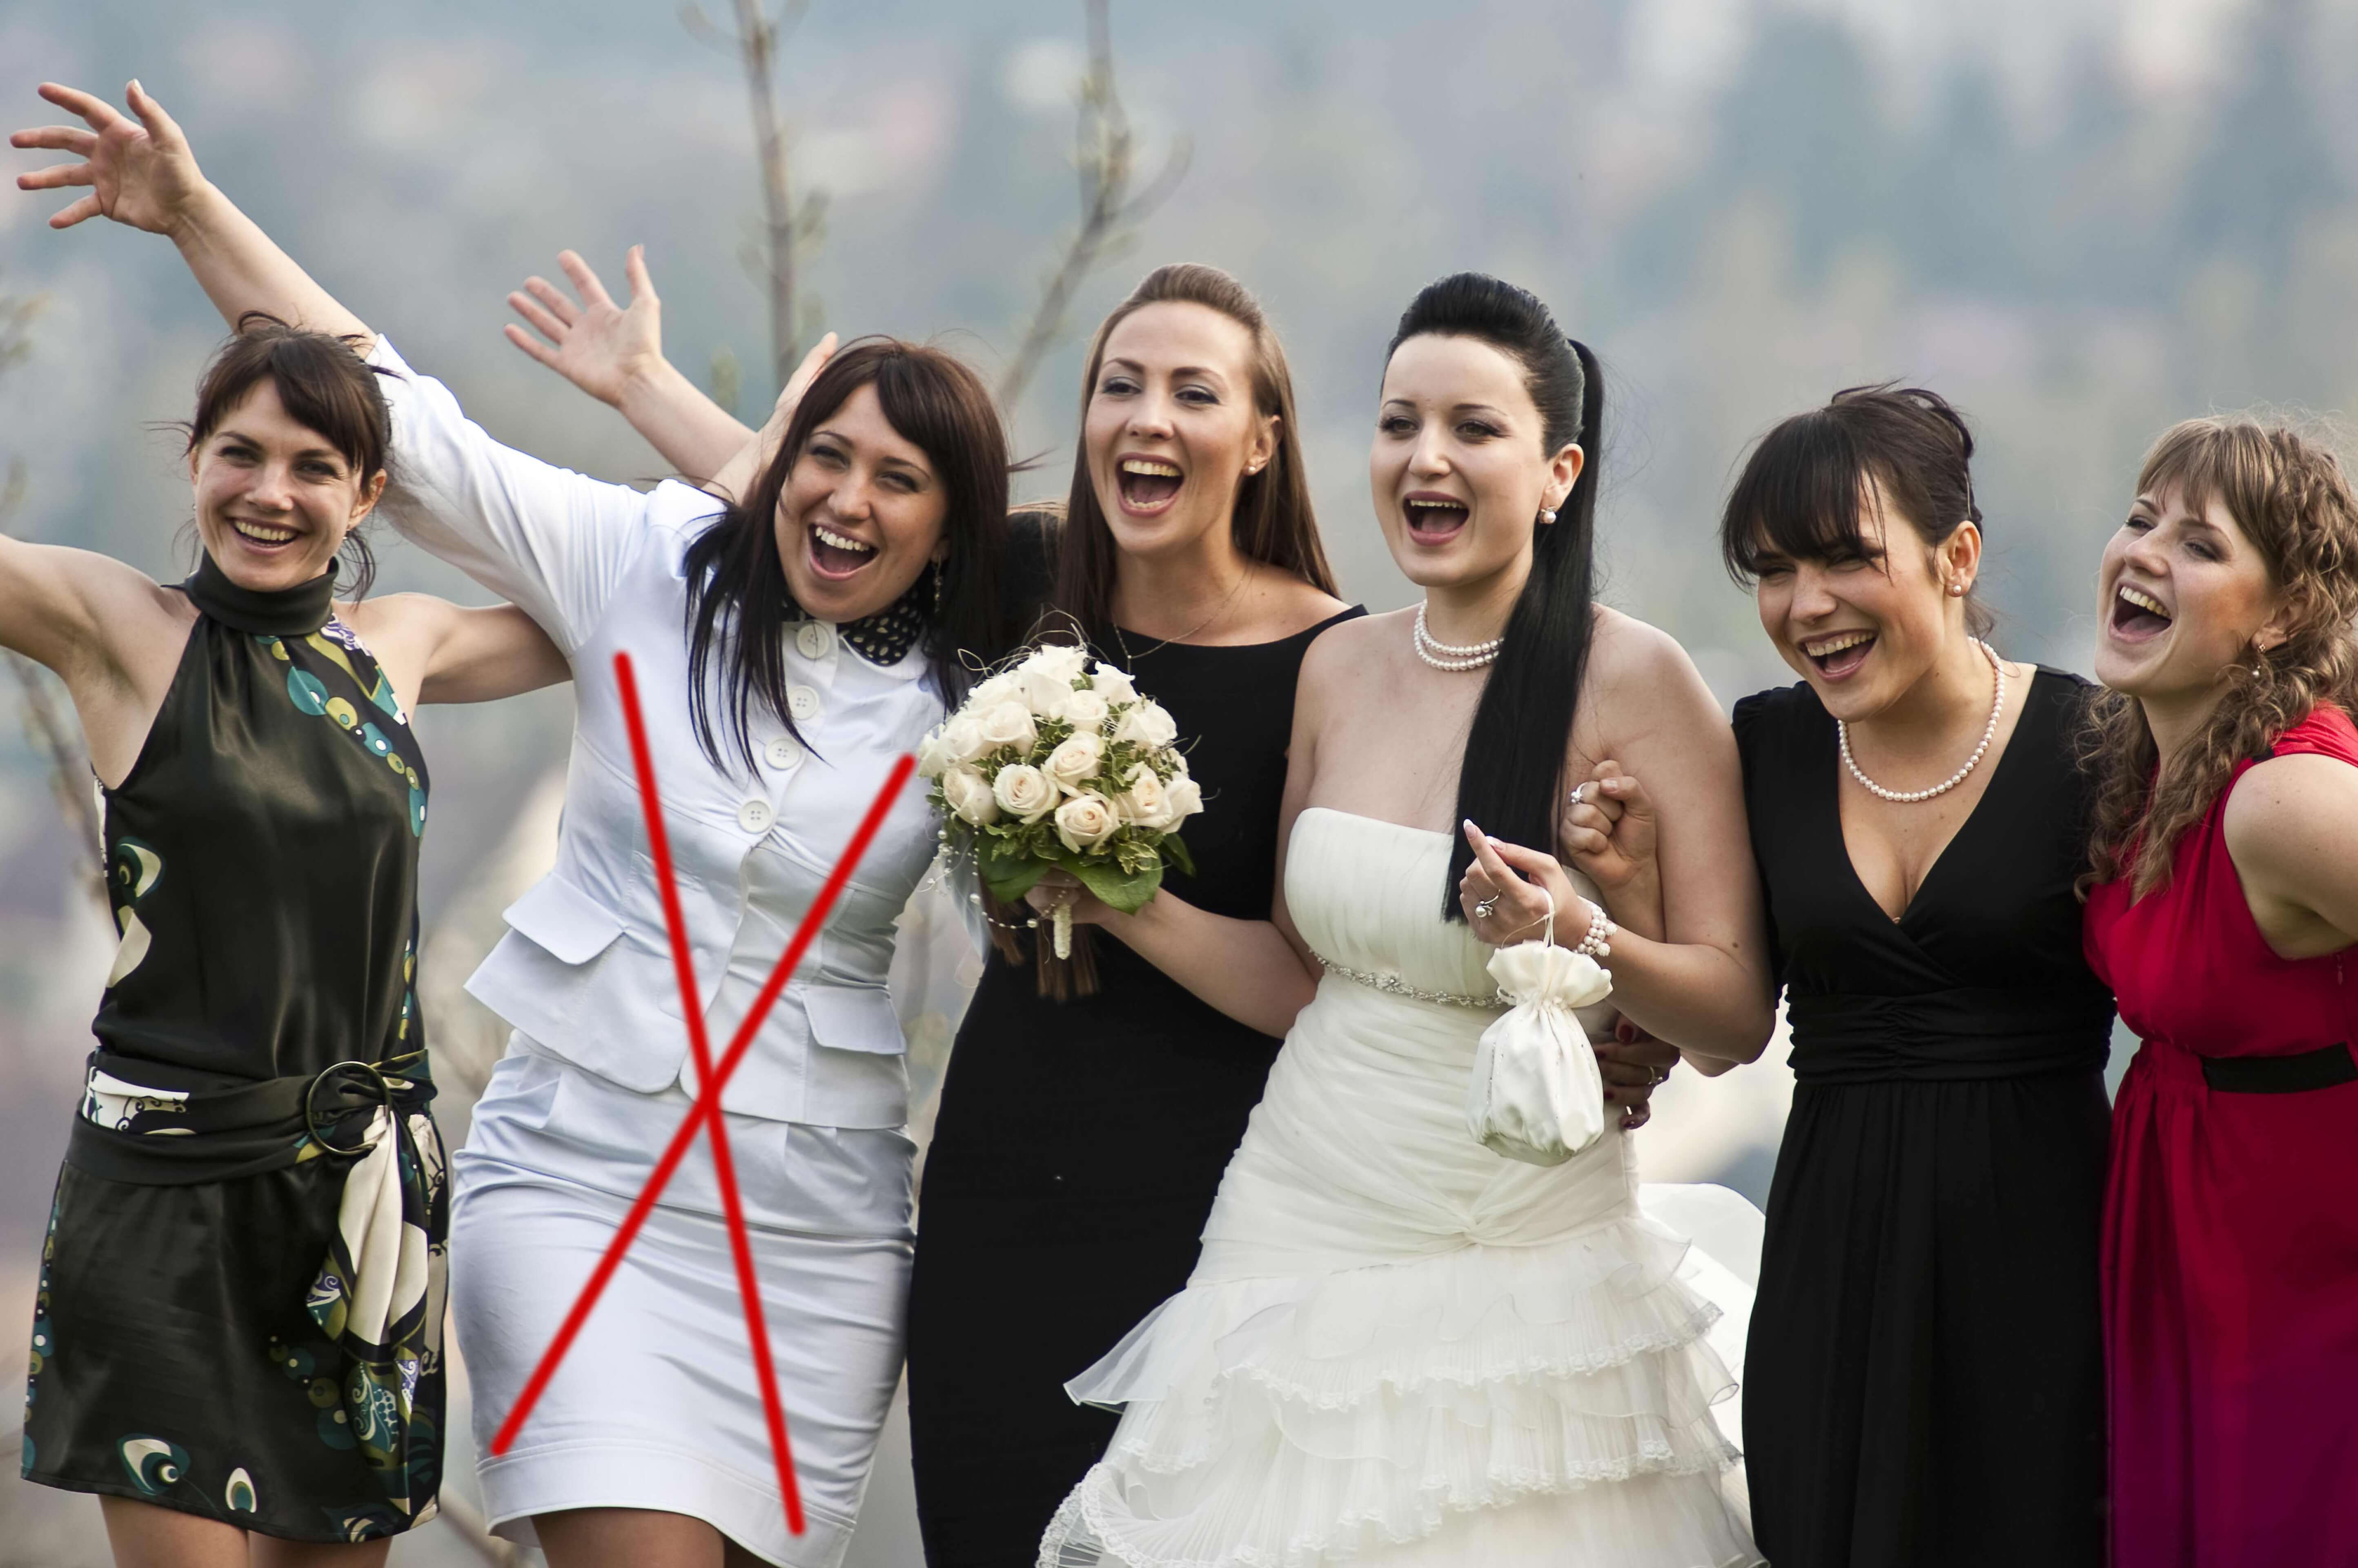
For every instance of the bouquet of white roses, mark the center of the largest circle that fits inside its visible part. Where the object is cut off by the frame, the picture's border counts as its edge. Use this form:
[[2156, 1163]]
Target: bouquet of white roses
[[1054, 764]]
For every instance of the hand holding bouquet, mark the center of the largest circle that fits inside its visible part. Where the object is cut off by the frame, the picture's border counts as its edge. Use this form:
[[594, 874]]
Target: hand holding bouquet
[[1054, 766]]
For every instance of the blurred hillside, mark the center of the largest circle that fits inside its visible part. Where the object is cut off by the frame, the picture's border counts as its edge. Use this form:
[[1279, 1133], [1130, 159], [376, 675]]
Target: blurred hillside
[[2079, 219]]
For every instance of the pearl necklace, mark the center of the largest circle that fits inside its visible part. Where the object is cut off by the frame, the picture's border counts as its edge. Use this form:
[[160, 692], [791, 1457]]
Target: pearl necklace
[[1444, 655], [1997, 703]]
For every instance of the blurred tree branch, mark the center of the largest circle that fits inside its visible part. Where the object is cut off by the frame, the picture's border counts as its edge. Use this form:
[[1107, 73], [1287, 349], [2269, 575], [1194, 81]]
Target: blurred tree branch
[[1104, 156], [47, 724], [789, 230]]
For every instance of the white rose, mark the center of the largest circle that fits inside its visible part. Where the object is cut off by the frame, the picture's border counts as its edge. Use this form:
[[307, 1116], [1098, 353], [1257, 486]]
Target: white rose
[[1023, 791], [1059, 661], [1076, 762], [1087, 821], [1008, 724], [1085, 710], [1114, 686], [962, 738], [1004, 687], [1045, 693], [932, 757], [1145, 802], [967, 793], [1182, 797], [1148, 724]]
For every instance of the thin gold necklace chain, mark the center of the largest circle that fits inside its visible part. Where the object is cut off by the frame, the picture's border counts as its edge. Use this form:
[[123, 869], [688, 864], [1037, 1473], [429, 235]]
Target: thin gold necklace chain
[[1218, 610]]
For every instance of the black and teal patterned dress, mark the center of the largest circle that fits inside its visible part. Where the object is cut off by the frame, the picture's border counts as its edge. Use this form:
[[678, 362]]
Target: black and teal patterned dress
[[240, 1305]]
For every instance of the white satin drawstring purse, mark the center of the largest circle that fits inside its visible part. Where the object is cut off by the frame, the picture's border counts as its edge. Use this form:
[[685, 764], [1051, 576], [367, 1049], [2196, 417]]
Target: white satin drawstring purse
[[1535, 1094]]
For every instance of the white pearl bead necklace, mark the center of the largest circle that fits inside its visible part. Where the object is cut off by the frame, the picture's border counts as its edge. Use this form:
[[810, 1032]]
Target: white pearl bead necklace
[[1444, 655], [1989, 731]]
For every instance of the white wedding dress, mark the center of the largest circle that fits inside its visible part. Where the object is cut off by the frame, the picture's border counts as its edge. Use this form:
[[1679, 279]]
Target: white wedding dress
[[1398, 1347]]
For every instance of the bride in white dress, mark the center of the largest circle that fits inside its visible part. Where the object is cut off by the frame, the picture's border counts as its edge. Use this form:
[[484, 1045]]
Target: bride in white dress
[[1398, 1347]]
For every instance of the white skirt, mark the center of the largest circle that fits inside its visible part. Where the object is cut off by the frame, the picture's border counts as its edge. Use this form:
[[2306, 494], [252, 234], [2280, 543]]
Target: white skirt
[[655, 1405]]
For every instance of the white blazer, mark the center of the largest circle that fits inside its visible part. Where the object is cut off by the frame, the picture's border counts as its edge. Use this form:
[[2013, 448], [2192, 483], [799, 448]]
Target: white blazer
[[585, 969]]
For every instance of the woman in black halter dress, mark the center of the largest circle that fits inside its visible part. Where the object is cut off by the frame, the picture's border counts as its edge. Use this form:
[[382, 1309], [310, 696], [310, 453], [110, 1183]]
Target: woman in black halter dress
[[239, 1310]]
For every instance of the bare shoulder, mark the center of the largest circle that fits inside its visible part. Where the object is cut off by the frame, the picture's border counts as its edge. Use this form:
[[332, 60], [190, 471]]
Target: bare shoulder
[[1641, 669], [2288, 810], [1296, 606], [1344, 649]]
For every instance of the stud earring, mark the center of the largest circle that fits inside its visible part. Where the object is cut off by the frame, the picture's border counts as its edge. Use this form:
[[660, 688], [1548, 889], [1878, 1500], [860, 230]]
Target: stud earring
[[1547, 515], [1956, 591]]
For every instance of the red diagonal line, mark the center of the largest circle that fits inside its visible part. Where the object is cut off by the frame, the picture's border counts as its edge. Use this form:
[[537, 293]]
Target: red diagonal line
[[706, 1107], [724, 1165]]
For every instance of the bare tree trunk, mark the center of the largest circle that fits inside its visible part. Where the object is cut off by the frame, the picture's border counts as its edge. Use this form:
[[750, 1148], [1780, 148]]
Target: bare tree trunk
[[757, 46], [1105, 157]]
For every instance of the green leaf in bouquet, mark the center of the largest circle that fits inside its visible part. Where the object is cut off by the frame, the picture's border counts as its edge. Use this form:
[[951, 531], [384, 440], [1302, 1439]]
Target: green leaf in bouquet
[[1175, 850], [1125, 890], [1006, 867]]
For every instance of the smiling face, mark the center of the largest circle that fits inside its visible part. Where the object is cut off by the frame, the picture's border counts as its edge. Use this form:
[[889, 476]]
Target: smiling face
[[1459, 468], [2185, 594], [273, 497], [1864, 628], [860, 515], [1171, 426]]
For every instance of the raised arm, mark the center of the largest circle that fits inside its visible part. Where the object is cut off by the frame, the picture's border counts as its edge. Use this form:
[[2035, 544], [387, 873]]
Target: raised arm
[[615, 354], [140, 173]]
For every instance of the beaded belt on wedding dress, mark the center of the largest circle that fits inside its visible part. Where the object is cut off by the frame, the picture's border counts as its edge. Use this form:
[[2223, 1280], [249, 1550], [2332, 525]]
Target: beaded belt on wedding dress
[[1398, 987]]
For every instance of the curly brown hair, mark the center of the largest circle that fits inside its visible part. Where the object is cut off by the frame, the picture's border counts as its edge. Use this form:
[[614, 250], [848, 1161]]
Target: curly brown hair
[[2289, 496]]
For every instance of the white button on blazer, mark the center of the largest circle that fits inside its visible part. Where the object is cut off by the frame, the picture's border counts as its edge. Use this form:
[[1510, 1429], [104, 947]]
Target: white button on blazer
[[585, 970]]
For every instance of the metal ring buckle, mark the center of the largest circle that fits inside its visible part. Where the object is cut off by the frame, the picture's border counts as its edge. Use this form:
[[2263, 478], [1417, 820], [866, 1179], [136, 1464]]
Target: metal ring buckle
[[311, 1120]]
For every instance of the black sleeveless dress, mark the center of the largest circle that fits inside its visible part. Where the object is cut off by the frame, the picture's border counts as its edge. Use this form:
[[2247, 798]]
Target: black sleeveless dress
[[1924, 1379], [1079, 1145], [208, 1335]]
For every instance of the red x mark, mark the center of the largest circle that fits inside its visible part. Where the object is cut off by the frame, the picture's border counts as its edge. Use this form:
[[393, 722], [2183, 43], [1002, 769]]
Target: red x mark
[[705, 1112]]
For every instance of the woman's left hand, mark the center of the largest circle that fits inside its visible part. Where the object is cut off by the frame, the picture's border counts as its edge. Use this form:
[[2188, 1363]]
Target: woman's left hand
[[140, 171], [1633, 1065], [1062, 887], [1509, 890]]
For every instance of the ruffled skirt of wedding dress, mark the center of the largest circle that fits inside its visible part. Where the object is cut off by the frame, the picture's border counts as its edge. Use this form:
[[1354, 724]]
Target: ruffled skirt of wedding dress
[[1494, 1405]]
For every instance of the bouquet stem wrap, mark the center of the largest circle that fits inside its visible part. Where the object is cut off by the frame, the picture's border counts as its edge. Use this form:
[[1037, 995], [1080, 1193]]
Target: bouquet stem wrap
[[1064, 925], [1535, 1094]]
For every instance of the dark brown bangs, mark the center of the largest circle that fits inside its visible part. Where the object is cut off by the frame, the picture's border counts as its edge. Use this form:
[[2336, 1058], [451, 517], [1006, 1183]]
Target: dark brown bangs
[[1800, 498], [1803, 494]]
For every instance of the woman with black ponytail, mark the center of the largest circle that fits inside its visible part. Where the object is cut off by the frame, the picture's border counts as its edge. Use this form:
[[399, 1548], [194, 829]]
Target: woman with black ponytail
[[1398, 1345]]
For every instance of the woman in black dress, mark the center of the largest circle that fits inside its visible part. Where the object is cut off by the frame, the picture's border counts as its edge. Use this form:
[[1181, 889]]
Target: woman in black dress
[[1923, 1378], [231, 1368]]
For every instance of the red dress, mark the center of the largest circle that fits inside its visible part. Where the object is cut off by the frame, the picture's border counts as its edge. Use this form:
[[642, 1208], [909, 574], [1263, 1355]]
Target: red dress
[[2230, 1221]]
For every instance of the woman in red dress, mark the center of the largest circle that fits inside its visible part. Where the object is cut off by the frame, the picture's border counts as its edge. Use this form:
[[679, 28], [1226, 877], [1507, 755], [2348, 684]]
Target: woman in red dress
[[2226, 859]]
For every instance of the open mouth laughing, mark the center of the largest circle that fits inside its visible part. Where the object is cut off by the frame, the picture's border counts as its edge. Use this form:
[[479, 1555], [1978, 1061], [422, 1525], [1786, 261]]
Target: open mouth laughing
[[1435, 518], [1839, 654], [267, 538], [2137, 616], [838, 558], [1147, 485]]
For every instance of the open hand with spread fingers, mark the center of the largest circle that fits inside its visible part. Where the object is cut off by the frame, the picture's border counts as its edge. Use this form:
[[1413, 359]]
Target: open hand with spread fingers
[[595, 344], [140, 171], [1606, 828]]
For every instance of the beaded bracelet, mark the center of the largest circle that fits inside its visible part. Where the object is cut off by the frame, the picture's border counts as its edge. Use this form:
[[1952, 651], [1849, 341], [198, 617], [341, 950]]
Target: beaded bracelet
[[1598, 944]]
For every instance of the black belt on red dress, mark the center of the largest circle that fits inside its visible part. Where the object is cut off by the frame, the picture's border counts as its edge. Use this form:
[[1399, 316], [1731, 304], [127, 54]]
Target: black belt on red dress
[[2302, 1071]]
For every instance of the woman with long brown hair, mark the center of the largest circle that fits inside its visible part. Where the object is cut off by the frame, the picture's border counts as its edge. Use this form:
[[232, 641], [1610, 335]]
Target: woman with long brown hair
[[2224, 908]]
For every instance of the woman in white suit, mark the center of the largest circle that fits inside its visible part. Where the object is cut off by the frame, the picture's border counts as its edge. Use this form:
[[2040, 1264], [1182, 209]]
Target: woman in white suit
[[790, 649]]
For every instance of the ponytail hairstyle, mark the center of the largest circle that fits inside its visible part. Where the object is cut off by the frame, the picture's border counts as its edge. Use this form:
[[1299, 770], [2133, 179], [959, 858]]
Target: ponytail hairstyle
[[738, 604], [1513, 770], [1272, 521], [2291, 499]]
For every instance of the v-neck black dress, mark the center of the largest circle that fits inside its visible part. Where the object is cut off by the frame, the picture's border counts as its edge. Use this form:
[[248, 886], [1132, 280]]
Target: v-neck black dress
[[1924, 1378], [1079, 1145]]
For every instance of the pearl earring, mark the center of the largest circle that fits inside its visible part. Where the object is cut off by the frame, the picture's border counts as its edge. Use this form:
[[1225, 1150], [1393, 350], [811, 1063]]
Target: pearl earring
[[1547, 515], [1956, 591]]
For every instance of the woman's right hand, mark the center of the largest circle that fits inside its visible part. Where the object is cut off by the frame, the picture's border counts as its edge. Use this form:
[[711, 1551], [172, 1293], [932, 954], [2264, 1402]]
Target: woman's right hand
[[597, 345], [141, 172], [1608, 829]]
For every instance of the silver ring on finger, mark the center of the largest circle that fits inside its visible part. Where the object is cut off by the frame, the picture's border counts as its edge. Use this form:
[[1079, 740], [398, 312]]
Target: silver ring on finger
[[1580, 793], [1484, 910]]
